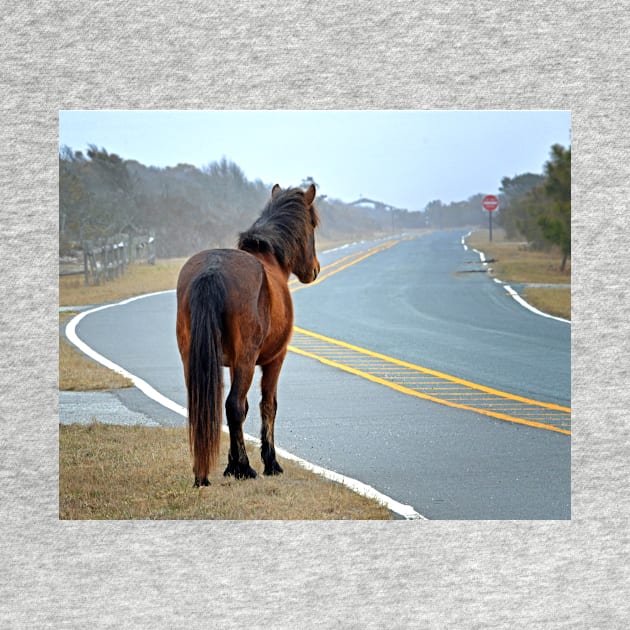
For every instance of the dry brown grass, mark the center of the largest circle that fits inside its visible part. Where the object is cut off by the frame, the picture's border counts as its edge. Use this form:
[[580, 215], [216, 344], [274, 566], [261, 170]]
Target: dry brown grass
[[114, 472], [78, 373], [139, 278], [553, 301], [515, 263]]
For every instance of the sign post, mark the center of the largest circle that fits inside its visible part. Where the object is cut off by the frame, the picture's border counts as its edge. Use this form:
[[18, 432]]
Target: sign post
[[490, 203]]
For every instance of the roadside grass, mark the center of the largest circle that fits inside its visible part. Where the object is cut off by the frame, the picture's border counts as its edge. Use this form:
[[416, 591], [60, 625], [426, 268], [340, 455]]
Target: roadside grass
[[78, 373], [553, 301], [138, 278], [116, 472], [515, 263]]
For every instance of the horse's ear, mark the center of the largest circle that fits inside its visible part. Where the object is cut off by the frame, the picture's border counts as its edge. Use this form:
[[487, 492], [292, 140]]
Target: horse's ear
[[275, 190], [309, 195]]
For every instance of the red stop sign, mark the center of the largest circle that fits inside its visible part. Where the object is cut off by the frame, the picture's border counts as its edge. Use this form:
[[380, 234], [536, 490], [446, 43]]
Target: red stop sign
[[490, 203]]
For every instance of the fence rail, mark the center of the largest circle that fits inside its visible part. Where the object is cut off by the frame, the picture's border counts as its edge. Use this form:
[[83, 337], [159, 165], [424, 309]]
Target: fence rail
[[108, 259]]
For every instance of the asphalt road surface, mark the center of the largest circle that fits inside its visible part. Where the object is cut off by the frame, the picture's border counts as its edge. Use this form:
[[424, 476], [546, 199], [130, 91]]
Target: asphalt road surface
[[421, 301]]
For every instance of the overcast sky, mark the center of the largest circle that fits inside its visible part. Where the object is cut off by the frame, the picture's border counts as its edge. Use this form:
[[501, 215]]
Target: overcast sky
[[403, 158]]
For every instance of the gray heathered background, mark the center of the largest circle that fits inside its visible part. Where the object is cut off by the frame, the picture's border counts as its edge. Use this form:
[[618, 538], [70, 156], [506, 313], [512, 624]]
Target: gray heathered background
[[213, 55]]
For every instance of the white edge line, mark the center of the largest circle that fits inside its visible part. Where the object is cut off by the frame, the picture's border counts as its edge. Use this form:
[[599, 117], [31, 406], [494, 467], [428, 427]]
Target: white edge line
[[513, 293], [528, 306], [406, 511], [464, 237], [482, 256]]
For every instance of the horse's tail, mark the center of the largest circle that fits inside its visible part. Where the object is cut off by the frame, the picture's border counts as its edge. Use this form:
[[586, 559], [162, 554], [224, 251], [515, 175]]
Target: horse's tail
[[205, 372]]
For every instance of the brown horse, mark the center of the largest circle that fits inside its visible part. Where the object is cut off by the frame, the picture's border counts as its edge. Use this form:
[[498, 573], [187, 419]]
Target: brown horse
[[234, 309]]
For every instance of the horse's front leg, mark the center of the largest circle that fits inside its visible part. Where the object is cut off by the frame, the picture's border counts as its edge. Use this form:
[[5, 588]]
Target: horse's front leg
[[236, 408], [268, 408]]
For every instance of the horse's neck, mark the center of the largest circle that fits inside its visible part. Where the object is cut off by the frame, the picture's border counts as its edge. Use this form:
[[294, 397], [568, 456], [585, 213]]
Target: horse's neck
[[273, 267]]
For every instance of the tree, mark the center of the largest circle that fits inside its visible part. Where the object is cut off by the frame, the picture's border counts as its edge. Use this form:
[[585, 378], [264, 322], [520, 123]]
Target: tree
[[556, 226], [455, 214], [188, 208], [435, 213], [72, 198], [114, 203], [514, 216]]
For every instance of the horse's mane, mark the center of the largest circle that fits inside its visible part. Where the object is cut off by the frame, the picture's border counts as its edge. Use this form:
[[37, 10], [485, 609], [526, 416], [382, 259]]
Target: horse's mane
[[282, 228]]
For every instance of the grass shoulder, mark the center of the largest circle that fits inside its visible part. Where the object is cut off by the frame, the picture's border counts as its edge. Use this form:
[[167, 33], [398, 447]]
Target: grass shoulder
[[118, 472], [79, 373], [138, 279], [514, 262], [76, 371]]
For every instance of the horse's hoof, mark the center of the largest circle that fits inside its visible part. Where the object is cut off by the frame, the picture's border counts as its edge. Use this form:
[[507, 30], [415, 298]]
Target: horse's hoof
[[240, 472], [273, 469], [203, 482], [247, 472]]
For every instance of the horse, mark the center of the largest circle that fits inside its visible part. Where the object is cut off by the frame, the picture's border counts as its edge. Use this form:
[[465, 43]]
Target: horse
[[234, 309]]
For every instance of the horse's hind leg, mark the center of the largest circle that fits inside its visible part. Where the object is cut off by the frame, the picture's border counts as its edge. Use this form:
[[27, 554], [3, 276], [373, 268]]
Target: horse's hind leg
[[236, 408], [268, 408]]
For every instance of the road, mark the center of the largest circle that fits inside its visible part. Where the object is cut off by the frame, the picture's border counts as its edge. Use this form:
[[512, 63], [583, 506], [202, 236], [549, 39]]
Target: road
[[417, 301]]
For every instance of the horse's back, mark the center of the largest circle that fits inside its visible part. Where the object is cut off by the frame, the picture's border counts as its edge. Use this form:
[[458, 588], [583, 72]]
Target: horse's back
[[237, 267], [246, 310]]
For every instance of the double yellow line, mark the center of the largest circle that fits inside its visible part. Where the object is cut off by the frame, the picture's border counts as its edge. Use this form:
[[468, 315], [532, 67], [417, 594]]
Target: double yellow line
[[418, 381], [414, 380], [343, 263]]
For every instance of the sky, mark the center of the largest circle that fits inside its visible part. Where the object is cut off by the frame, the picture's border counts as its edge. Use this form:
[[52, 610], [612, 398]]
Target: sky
[[403, 158]]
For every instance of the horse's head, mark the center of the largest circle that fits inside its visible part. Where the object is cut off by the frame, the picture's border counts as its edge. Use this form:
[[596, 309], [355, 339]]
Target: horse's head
[[305, 264]]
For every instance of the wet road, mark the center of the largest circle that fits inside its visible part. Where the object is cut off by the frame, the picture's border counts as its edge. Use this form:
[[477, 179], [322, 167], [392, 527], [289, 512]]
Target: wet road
[[419, 301]]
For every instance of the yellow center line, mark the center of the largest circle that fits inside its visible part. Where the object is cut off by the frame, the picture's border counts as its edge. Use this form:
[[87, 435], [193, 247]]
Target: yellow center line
[[296, 282], [324, 276], [412, 392], [402, 376], [441, 375]]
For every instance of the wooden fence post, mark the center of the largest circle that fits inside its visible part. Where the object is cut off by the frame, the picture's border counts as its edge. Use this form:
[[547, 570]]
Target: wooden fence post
[[110, 260], [86, 273]]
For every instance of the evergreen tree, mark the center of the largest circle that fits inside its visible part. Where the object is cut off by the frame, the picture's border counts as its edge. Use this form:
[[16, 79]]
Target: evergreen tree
[[556, 225]]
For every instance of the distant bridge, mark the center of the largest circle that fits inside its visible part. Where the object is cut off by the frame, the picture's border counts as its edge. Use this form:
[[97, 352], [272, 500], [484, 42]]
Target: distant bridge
[[378, 205]]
